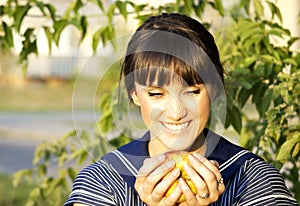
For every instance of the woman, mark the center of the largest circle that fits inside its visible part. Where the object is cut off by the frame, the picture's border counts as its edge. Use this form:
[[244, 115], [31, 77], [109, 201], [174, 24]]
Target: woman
[[172, 71]]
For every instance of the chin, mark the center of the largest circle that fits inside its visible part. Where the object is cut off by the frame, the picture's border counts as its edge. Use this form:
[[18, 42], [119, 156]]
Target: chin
[[178, 146]]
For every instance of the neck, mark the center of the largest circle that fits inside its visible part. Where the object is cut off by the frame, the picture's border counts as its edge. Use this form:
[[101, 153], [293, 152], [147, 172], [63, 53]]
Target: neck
[[155, 147]]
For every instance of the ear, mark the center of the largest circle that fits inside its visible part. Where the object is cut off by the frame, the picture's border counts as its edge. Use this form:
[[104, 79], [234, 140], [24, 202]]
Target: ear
[[135, 98]]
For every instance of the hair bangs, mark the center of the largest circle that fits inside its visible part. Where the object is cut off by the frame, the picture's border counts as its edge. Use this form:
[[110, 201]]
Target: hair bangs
[[155, 68]]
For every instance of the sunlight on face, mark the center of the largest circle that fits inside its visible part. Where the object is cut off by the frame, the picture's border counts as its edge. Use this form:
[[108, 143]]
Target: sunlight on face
[[175, 114]]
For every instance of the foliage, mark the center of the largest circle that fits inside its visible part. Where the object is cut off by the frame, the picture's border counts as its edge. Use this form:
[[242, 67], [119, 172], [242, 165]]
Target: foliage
[[262, 69], [11, 195]]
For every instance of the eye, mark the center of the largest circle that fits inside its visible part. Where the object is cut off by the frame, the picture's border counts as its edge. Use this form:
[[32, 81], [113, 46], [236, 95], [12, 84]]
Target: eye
[[193, 91], [155, 94]]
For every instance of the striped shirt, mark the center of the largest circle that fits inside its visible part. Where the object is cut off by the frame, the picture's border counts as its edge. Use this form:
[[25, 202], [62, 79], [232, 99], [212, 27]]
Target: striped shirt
[[248, 179]]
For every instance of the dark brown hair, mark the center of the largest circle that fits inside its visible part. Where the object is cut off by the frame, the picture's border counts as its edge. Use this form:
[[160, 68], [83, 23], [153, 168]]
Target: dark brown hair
[[171, 42]]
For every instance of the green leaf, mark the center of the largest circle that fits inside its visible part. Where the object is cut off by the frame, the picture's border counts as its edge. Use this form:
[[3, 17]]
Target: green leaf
[[52, 11], [292, 41], [138, 8], [236, 119], [20, 175], [121, 5], [243, 96], [263, 105], [84, 25], [62, 158], [106, 34], [72, 173], [245, 25], [188, 6], [99, 4], [76, 22], [9, 41], [49, 37], [249, 60], [296, 150], [274, 10], [287, 147], [259, 9], [19, 15], [218, 5], [290, 61], [270, 59], [253, 33], [41, 6], [246, 5], [2, 10], [58, 28], [29, 45], [278, 32], [96, 38], [41, 170], [110, 13], [78, 5]]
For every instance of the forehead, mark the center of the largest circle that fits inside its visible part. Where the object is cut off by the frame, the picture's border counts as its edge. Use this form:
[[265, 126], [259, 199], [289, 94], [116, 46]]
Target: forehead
[[163, 69]]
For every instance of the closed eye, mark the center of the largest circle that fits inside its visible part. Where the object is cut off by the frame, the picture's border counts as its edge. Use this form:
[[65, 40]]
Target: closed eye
[[196, 91], [155, 94]]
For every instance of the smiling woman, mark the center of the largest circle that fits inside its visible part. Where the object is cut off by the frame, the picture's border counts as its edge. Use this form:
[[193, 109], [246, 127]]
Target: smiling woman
[[172, 72], [175, 114]]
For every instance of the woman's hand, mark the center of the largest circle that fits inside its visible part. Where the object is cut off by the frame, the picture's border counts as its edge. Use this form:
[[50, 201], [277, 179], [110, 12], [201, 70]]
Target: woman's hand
[[154, 179], [207, 178]]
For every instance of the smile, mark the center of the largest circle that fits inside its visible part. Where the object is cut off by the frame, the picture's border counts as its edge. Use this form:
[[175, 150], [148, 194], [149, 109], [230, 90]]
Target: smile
[[176, 127]]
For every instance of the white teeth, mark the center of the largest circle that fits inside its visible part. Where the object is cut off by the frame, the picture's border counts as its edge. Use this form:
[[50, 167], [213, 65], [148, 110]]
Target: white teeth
[[175, 127]]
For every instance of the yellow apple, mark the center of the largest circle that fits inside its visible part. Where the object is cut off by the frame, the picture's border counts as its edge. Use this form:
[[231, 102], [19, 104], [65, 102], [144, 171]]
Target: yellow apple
[[180, 158]]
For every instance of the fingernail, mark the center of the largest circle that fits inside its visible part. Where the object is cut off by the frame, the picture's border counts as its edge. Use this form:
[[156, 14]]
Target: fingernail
[[187, 167], [182, 182], [170, 163], [176, 172], [146, 160], [215, 163], [192, 158], [161, 158], [198, 156]]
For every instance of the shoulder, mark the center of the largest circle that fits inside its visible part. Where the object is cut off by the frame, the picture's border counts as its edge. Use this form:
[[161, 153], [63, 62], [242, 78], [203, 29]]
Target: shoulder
[[259, 170], [259, 183], [99, 171], [127, 159], [98, 182]]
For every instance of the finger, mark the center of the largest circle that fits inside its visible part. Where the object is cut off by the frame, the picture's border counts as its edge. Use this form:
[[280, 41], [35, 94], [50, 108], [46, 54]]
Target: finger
[[174, 196], [155, 176], [190, 198], [198, 182], [149, 165], [211, 176], [209, 173], [166, 185], [215, 163], [211, 164], [221, 185]]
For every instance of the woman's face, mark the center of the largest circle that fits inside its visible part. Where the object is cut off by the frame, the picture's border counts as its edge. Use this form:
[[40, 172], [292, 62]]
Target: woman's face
[[175, 114]]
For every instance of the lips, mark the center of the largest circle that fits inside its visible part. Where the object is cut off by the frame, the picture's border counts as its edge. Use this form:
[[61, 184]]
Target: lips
[[176, 127]]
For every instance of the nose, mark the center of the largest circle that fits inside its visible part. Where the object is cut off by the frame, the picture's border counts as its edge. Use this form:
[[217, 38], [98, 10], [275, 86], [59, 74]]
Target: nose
[[175, 109]]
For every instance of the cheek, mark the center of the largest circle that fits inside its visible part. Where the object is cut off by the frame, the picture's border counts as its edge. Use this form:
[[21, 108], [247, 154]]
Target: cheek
[[200, 107], [150, 113]]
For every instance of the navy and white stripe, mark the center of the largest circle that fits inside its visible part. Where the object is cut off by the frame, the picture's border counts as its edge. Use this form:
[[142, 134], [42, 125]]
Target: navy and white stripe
[[249, 180]]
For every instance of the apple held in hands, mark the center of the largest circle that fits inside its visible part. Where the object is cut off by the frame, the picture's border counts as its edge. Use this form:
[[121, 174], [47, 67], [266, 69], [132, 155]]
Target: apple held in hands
[[180, 158]]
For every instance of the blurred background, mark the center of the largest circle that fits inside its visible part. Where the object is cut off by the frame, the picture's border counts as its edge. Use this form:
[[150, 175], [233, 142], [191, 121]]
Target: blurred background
[[58, 92]]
